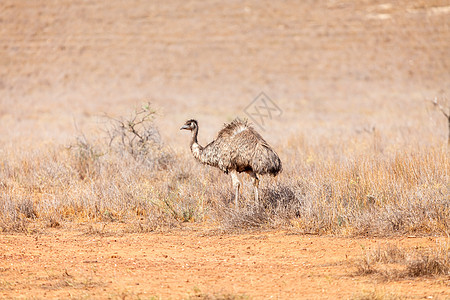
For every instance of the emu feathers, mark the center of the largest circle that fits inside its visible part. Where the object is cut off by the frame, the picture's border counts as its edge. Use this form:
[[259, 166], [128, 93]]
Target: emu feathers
[[237, 147]]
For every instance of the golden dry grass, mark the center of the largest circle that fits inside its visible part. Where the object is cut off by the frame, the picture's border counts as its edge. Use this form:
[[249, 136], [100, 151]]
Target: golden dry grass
[[322, 190], [392, 263], [364, 153]]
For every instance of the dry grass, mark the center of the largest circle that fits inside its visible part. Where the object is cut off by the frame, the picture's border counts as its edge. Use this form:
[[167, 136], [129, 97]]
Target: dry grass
[[199, 295], [390, 262], [370, 188], [361, 156], [376, 295], [436, 262], [217, 297]]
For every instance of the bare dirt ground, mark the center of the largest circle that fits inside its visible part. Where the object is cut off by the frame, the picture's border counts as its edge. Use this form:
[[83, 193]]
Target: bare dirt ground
[[182, 264]]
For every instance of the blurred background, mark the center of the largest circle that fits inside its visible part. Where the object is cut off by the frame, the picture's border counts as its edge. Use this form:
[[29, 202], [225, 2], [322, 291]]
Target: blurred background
[[337, 69]]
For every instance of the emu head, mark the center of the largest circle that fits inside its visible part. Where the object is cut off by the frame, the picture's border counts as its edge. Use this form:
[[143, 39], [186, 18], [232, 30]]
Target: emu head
[[190, 125]]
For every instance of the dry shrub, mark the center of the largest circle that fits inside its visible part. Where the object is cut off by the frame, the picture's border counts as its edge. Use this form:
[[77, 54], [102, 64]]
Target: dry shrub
[[88, 182], [386, 254], [390, 262], [199, 295], [377, 295], [435, 263], [26, 208], [86, 157], [405, 192], [359, 196], [134, 140], [131, 177], [402, 193], [250, 216], [137, 136], [278, 204], [16, 214]]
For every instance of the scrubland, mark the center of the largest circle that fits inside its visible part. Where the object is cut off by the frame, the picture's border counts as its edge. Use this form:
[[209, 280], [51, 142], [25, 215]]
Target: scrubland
[[101, 198], [325, 188]]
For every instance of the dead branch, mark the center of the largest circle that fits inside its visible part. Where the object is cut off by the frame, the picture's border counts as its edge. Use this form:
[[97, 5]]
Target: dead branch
[[445, 112]]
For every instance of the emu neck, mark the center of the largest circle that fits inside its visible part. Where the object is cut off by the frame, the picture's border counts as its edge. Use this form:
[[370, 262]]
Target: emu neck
[[195, 147]]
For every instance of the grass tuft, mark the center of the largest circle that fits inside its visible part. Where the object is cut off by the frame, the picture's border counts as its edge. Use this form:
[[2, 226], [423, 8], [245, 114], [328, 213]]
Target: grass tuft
[[391, 262], [376, 295], [129, 176]]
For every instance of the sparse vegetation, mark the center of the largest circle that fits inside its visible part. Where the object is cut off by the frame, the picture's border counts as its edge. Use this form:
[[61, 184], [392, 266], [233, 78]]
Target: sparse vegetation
[[390, 262], [376, 295], [445, 110], [199, 295], [139, 181], [432, 262], [116, 207], [138, 137]]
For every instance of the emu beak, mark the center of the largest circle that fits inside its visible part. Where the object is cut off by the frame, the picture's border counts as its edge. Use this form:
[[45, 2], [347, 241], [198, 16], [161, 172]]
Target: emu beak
[[184, 127]]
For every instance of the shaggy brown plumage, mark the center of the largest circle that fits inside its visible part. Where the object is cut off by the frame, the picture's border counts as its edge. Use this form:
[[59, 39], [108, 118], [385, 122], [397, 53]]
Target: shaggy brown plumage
[[237, 148]]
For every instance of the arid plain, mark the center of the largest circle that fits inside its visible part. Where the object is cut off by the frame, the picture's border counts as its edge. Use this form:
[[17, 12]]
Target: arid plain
[[360, 211]]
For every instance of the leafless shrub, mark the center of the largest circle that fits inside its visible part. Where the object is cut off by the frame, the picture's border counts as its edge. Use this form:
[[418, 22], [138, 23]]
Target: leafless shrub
[[132, 142], [437, 103], [139, 137]]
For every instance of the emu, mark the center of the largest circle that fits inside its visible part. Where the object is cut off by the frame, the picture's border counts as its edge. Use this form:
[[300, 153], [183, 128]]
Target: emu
[[237, 148]]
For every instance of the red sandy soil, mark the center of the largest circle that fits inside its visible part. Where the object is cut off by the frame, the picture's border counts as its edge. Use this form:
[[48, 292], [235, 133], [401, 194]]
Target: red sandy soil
[[66, 263]]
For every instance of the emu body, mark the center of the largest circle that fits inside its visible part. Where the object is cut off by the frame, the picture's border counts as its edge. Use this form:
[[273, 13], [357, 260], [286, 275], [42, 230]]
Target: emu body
[[237, 148]]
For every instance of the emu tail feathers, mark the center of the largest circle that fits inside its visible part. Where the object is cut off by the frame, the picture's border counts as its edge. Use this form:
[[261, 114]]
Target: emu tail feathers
[[266, 161]]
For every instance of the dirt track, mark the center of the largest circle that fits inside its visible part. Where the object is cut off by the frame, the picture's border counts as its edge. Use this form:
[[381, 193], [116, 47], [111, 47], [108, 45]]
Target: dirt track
[[176, 265]]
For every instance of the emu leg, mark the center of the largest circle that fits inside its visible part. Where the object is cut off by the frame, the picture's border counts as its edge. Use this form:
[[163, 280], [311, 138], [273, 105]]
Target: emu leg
[[256, 185], [236, 185]]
